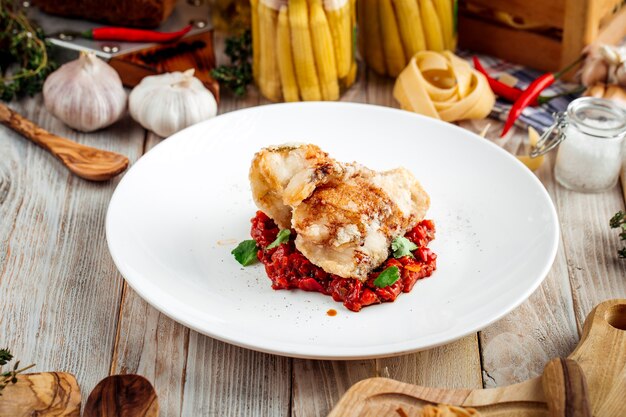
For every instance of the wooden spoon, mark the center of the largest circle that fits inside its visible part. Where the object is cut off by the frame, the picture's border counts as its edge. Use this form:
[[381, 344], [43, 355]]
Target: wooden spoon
[[122, 396], [86, 162], [565, 388]]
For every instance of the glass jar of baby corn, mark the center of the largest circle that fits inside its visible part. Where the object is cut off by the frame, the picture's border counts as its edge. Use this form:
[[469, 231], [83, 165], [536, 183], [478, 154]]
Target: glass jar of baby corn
[[303, 50], [392, 31]]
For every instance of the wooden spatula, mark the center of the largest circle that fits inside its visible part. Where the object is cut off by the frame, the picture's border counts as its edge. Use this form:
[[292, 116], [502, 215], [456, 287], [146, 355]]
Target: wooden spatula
[[601, 354], [86, 162]]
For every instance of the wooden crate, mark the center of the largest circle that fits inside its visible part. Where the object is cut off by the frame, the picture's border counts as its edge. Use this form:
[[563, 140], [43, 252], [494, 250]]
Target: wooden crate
[[574, 23]]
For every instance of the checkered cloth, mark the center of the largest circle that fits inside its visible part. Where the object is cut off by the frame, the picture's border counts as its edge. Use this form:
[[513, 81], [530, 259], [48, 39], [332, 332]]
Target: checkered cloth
[[539, 117]]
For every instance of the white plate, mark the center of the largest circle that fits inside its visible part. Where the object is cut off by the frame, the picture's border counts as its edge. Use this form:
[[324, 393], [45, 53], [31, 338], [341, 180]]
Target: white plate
[[180, 210]]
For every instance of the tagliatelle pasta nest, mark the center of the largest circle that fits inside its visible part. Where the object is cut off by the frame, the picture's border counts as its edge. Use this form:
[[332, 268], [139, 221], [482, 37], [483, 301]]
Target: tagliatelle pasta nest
[[442, 410], [443, 86]]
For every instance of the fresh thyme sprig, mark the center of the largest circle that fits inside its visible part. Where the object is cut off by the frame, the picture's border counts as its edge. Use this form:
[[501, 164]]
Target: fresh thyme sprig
[[10, 376], [619, 221], [24, 54], [238, 74]]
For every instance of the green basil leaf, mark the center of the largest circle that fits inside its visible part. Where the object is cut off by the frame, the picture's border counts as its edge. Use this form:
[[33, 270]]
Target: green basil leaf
[[402, 246], [283, 237], [388, 277], [245, 252]]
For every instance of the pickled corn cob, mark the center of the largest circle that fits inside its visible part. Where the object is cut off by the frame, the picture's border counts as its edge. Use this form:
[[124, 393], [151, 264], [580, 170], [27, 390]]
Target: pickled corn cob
[[395, 60], [302, 48], [339, 20], [285, 60], [432, 27], [373, 45], [256, 39], [269, 79], [323, 52], [349, 79], [352, 15], [444, 11], [410, 26]]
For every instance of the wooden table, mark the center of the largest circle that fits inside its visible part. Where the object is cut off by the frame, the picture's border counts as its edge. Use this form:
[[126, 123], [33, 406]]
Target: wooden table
[[64, 305]]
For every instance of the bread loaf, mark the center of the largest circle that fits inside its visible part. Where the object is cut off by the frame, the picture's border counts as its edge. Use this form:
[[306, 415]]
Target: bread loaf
[[133, 13]]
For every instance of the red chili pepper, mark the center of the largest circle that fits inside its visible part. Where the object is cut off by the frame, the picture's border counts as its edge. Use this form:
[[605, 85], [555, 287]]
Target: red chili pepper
[[531, 93], [500, 89], [134, 35], [511, 94]]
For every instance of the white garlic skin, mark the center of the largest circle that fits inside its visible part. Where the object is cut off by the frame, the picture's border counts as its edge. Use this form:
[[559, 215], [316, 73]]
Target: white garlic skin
[[86, 94], [170, 102]]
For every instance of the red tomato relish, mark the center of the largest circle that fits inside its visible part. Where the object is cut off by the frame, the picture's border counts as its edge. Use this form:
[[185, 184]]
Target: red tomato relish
[[287, 268]]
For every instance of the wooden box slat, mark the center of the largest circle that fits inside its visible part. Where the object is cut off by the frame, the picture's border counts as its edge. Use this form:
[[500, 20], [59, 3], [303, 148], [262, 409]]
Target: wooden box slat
[[545, 12], [513, 45]]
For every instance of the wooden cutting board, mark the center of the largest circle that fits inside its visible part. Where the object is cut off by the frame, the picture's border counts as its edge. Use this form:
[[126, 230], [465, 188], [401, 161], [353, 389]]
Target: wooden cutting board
[[195, 51], [601, 353]]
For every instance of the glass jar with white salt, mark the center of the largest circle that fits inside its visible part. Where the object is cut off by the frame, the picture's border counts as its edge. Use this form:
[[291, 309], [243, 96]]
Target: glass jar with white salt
[[591, 135]]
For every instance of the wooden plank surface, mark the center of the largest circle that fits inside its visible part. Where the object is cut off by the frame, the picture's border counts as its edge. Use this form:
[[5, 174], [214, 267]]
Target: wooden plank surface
[[59, 288], [595, 271], [65, 306]]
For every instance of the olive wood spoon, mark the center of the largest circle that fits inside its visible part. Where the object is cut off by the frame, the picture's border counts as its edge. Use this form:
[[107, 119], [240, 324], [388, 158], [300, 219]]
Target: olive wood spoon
[[565, 388], [86, 162], [122, 396]]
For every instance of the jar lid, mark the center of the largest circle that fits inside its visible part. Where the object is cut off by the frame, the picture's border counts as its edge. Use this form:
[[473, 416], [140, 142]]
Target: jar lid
[[597, 117]]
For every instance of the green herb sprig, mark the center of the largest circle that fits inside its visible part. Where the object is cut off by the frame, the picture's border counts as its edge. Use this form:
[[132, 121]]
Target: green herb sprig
[[402, 246], [619, 221], [9, 377], [282, 237], [388, 277], [238, 74], [245, 252], [24, 54]]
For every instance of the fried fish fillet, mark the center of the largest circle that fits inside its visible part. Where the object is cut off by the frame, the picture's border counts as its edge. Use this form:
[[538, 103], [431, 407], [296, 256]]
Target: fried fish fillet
[[345, 215], [346, 226], [282, 176]]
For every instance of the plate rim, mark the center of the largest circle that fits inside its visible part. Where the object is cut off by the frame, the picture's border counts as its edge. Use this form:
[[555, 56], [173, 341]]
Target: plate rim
[[554, 240]]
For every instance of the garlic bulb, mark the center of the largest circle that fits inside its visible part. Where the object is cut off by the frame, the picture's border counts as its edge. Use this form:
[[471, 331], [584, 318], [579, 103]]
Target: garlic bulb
[[170, 102], [86, 94]]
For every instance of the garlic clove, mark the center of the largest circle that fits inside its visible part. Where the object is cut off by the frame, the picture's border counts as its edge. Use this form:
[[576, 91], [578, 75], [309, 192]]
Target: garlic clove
[[86, 94], [168, 103], [595, 70], [596, 90], [617, 94]]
